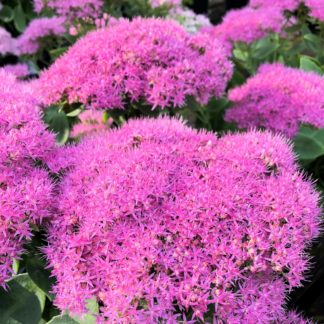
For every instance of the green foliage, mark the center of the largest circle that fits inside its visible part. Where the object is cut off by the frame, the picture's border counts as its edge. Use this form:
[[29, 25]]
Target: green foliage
[[23, 303], [58, 123], [309, 144], [133, 8], [36, 268], [16, 14], [62, 319], [308, 63]]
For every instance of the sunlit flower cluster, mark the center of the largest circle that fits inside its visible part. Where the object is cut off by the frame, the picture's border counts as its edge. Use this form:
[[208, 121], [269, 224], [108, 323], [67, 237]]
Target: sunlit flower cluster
[[154, 61], [316, 8], [25, 188], [279, 98], [248, 24], [157, 221]]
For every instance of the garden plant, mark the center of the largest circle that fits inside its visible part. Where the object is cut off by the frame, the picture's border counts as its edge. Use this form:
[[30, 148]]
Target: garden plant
[[157, 168]]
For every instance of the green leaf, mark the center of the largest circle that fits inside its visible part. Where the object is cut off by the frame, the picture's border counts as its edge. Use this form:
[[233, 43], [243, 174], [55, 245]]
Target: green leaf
[[239, 54], [35, 266], [85, 319], [23, 303], [309, 144], [55, 53], [237, 79], [93, 306], [15, 266], [25, 281], [264, 48], [6, 14], [313, 42], [62, 319], [75, 112], [58, 123], [308, 64], [19, 18], [312, 38]]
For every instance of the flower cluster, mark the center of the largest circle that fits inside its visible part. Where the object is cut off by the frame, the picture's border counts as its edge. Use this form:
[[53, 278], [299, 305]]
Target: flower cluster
[[189, 19], [25, 189], [91, 121], [20, 70], [71, 9], [317, 8], [39, 28], [157, 221], [290, 5], [249, 24], [152, 60], [279, 98], [7, 43], [171, 3]]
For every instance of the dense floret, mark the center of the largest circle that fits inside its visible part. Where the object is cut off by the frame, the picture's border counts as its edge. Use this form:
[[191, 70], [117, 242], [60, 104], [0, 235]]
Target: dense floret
[[157, 221], [25, 189], [279, 98], [150, 60], [316, 8], [248, 25]]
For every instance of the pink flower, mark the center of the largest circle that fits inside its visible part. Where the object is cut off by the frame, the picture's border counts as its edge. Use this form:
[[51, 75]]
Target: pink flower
[[71, 9], [317, 8], [150, 60], [25, 188], [279, 98], [30, 41], [20, 70], [290, 5], [7, 43], [171, 3], [91, 121], [248, 24], [156, 219]]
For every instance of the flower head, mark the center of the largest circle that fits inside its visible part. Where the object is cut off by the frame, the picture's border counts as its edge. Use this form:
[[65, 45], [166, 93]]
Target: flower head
[[7, 43], [25, 188], [316, 8], [156, 219], [248, 25], [150, 60], [290, 5], [279, 98], [29, 42], [20, 70], [171, 3], [71, 9]]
